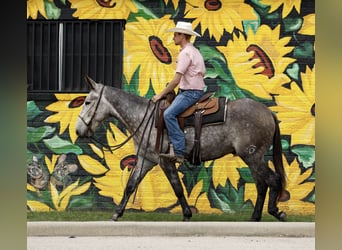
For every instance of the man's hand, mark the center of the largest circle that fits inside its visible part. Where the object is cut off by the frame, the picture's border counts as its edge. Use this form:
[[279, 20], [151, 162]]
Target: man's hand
[[156, 98]]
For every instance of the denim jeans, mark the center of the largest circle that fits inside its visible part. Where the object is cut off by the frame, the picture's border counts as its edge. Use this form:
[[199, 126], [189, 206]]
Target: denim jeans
[[183, 100]]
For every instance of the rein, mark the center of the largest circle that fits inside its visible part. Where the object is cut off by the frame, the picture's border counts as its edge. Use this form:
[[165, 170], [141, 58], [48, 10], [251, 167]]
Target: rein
[[116, 147]]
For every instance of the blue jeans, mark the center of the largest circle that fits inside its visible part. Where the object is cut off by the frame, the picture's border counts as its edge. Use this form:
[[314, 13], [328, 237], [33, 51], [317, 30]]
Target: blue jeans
[[183, 100]]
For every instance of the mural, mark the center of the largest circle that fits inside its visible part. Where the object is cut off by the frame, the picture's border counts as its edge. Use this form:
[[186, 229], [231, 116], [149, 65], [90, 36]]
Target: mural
[[262, 49]]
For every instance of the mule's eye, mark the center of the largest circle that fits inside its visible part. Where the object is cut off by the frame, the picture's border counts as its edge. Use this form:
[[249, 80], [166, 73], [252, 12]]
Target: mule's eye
[[87, 103]]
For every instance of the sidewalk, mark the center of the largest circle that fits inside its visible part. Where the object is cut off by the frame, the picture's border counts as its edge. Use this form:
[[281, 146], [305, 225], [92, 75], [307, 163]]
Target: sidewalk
[[129, 228]]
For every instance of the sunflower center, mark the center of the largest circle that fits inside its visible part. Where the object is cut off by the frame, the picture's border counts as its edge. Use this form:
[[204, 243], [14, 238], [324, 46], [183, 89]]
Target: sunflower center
[[212, 5], [77, 102], [128, 162], [313, 109], [159, 50], [265, 61], [106, 3]]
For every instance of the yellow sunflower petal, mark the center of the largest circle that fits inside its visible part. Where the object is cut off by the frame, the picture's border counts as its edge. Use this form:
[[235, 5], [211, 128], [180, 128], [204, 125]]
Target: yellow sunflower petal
[[37, 206], [91, 165]]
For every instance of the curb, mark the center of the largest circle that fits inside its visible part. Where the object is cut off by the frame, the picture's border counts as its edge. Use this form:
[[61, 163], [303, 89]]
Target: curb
[[128, 228]]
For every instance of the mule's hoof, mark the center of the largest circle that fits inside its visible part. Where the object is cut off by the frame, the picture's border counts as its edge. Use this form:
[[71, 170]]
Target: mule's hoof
[[282, 216], [186, 218], [115, 217], [255, 219]]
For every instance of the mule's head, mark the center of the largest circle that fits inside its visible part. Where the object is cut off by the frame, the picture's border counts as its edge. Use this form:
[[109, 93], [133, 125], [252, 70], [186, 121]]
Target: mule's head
[[93, 110]]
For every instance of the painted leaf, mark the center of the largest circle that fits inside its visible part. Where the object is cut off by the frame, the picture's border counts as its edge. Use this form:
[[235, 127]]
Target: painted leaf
[[218, 203], [246, 175], [32, 110], [52, 11], [292, 24], [54, 195], [37, 134], [60, 146], [306, 154]]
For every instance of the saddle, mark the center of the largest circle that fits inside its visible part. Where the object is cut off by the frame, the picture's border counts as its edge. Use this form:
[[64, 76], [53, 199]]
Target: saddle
[[208, 110]]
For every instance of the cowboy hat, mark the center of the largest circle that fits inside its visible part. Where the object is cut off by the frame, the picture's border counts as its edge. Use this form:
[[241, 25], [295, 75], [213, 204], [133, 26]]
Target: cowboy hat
[[185, 28]]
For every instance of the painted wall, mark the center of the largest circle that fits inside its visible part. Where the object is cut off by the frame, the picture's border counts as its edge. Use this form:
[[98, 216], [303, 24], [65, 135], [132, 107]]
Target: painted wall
[[263, 49]]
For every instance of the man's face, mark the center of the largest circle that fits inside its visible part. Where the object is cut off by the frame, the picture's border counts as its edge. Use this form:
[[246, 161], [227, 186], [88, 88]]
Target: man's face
[[178, 37]]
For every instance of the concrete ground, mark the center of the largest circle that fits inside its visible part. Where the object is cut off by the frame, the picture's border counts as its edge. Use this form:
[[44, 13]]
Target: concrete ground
[[170, 235]]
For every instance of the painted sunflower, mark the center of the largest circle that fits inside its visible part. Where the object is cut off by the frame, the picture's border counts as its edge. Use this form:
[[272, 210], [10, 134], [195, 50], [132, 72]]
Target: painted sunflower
[[226, 167], [153, 192], [296, 110], [298, 187], [198, 201], [288, 5], [258, 62], [149, 48], [308, 26], [103, 9], [67, 109], [217, 16], [60, 199], [33, 7]]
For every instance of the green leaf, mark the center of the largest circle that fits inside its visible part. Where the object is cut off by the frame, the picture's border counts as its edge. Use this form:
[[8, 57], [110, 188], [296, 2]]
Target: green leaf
[[83, 202], [251, 24], [60, 146], [218, 203], [203, 175], [293, 70], [306, 154], [32, 110], [305, 50], [210, 53], [292, 24], [133, 86], [52, 11], [246, 174], [37, 134], [143, 11], [150, 93]]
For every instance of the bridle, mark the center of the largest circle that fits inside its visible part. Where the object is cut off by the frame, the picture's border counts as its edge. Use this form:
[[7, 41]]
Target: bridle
[[115, 147], [87, 123]]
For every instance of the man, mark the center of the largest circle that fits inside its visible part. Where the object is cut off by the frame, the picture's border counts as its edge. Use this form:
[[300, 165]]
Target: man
[[190, 71]]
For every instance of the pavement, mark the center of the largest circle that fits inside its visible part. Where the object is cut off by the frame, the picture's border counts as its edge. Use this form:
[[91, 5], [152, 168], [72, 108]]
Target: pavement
[[128, 235], [170, 229]]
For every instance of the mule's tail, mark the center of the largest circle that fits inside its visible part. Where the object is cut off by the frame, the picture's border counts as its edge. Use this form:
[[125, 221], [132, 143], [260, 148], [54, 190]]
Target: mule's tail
[[278, 161]]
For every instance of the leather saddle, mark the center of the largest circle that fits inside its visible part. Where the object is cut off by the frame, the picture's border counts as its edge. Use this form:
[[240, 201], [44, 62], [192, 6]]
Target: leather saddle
[[207, 106]]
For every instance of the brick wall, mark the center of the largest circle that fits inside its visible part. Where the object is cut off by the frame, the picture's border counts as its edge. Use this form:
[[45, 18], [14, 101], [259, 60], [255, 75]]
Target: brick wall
[[263, 50]]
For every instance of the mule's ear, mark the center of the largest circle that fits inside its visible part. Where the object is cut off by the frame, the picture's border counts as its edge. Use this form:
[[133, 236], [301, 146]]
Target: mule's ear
[[91, 82]]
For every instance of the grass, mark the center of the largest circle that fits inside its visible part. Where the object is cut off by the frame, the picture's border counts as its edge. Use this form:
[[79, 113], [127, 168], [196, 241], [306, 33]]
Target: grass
[[151, 216]]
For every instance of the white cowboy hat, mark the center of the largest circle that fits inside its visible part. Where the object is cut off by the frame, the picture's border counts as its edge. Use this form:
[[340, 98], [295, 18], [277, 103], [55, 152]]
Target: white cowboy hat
[[185, 28]]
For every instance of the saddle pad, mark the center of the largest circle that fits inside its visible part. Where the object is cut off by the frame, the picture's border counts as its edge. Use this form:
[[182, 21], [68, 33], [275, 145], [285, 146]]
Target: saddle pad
[[217, 117]]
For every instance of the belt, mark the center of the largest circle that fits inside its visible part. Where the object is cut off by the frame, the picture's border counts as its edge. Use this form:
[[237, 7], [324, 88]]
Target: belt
[[183, 90]]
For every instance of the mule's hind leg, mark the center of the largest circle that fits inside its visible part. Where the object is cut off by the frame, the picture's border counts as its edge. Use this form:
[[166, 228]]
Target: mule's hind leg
[[275, 189], [266, 178], [133, 181], [171, 173]]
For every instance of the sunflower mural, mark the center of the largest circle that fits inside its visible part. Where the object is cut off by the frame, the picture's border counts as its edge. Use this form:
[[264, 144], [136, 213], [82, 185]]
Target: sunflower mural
[[260, 49], [153, 59]]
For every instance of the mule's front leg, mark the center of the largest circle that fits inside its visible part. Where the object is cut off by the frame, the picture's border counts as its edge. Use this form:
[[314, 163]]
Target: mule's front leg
[[259, 204], [171, 173], [135, 178]]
